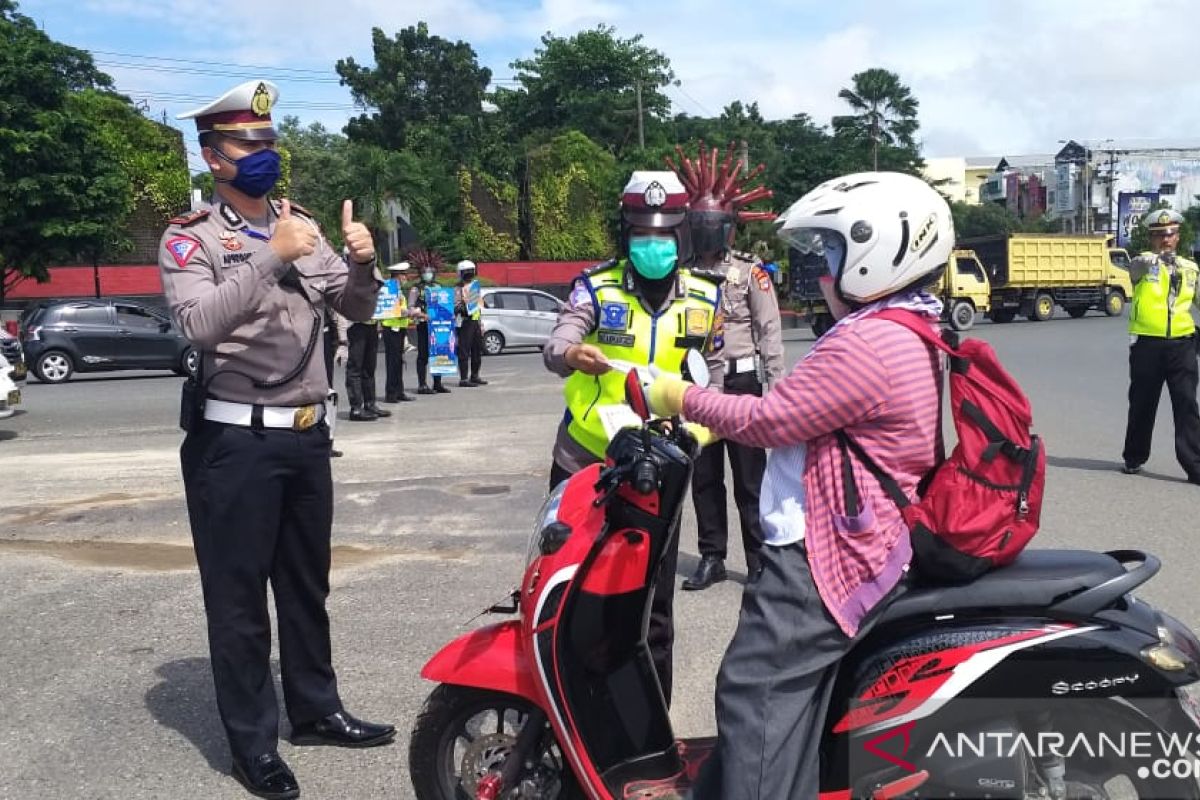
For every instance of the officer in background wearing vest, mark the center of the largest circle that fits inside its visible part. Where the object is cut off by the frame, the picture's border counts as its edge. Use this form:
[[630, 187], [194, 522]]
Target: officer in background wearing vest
[[648, 302], [470, 331], [395, 333], [247, 281], [748, 322], [1162, 346], [418, 308]]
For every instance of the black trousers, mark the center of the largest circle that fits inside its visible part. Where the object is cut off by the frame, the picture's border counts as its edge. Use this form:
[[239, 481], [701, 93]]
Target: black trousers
[[1153, 361], [661, 634], [423, 356], [260, 504], [363, 339], [708, 487], [470, 349], [393, 362]]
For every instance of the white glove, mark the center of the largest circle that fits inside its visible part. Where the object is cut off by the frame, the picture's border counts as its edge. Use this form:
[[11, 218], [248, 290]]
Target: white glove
[[342, 353]]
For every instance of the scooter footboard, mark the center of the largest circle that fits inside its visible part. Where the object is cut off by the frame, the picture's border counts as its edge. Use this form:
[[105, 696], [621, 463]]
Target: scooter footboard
[[490, 658]]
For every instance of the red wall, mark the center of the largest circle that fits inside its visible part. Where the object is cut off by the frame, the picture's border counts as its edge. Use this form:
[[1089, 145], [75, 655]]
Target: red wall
[[115, 279], [533, 273]]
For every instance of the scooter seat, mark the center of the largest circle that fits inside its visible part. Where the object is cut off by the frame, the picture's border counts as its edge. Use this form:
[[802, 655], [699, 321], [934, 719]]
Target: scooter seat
[[1035, 581]]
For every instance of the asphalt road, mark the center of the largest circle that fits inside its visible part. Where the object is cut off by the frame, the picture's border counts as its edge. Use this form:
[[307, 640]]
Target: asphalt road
[[103, 657]]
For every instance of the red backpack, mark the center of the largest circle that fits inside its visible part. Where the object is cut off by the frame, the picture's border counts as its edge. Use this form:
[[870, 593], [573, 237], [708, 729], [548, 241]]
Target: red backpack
[[979, 508]]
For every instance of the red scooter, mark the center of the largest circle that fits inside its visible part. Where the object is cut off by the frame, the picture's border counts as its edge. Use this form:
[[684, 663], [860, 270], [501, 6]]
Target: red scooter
[[564, 702]]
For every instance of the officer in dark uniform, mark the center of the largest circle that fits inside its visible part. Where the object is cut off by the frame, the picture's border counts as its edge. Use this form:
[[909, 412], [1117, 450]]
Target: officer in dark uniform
[[416, 302], [336, 349], [247, 281]]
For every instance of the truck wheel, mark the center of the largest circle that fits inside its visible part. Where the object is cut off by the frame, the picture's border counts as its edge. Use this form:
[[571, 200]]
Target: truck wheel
[[1003, 315], [1076, 312], [1043, 308], [962, 315], [1114, 304]]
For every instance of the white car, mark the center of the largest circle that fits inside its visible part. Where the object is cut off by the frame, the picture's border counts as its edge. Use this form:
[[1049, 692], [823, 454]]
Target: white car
[[10, 394], [514, 317]]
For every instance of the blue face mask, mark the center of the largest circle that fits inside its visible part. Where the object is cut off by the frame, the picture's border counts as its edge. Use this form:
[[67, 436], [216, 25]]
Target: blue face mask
[[257, 173], [654, 257]]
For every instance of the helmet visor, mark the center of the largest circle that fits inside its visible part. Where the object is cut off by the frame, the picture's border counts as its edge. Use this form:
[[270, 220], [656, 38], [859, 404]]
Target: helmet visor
[[827, 244], [710, 231]]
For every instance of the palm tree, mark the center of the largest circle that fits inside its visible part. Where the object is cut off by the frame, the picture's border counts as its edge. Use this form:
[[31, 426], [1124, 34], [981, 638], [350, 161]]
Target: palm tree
[[376, 178], [884, 110]]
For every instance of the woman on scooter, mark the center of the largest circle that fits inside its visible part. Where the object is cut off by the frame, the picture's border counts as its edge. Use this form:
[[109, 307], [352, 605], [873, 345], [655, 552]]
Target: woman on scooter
[[827, 572]]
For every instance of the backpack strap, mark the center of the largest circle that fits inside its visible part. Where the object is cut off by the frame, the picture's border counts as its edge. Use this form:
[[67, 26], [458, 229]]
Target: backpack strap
[[948, 342], [846, 442]]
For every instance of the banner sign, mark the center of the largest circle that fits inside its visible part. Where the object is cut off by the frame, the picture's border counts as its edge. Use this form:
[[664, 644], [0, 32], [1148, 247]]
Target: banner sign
[[443, 342], [389, 304], [1130, 208]]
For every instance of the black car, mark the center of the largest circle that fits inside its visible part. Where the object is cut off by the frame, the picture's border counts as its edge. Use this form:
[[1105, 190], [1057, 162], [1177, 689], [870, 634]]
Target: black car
[[66, 336]]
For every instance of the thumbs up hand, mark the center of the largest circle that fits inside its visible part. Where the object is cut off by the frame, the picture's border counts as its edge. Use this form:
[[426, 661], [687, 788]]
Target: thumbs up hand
[[357, 237], [292, 237]]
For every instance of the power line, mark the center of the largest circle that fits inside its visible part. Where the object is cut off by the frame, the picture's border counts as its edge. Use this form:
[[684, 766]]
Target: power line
[[212, 63]]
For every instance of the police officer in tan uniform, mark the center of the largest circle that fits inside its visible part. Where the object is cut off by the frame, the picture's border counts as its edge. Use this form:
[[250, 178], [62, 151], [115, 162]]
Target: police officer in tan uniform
[[752, 340], [247, 281]]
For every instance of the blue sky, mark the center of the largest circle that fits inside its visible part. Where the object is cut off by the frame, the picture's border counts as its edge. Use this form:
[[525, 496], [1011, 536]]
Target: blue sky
[[992, 77]]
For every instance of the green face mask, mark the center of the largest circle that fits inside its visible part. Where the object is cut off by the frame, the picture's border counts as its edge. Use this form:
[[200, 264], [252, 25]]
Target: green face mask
[[653, 256]]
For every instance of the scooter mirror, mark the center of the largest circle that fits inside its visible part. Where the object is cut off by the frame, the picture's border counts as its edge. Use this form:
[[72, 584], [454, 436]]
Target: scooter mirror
[[695, 369], [635, 395]]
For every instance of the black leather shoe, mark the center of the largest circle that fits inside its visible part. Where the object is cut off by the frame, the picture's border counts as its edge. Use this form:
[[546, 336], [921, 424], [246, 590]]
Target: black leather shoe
[[1131, 469], [391, 399], [479, 381], [267, 776], [335, 453], [710, 570], [467, 384], [406, 398], [362, 415], [342, 730], [441, 389], [379, 412], [424, 390]]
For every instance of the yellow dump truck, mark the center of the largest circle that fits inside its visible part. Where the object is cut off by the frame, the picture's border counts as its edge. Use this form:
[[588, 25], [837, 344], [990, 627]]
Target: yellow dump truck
[[1029, 274]]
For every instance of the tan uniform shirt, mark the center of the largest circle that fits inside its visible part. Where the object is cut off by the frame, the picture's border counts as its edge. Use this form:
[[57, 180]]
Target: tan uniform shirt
[[577, 320], [235, 300], [750, 314]]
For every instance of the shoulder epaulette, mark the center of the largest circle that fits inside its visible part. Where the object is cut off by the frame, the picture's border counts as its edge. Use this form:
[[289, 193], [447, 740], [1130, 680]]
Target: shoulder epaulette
[[716, 278], [590, 271], [297, 207], [749, 258], [191, 218]]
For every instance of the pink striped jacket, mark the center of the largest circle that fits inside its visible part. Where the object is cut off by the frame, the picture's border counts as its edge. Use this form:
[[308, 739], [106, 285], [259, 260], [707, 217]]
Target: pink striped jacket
[[879, 381]]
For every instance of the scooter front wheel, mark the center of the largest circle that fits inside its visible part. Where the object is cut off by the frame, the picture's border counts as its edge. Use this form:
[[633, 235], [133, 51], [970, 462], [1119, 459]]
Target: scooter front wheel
[[464, 735]]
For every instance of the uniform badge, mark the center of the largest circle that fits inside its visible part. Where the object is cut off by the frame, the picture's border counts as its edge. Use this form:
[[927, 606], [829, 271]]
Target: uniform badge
[[182, 249], [732, 275], [696, 322], [260, 104], [764, 280], [230, 240], [655, 195], [614, 316]]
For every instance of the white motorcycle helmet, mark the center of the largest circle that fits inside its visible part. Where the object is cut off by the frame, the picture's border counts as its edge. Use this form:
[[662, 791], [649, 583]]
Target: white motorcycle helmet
[[466, 265], [880, 232]]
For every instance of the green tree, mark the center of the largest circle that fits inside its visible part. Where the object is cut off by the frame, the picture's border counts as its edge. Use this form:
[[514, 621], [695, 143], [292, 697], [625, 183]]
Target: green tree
[[376, 180], [986, 219], [417, 77], [885, 114], [572, 182], [590, 82], [63, 192]]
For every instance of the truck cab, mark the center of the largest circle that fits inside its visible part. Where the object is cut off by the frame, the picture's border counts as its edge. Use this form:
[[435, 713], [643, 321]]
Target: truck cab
[[964, 288], [1120, 287]]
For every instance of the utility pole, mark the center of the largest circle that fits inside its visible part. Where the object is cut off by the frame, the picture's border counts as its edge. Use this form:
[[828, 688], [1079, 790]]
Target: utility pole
[[745, 157], [641, 132]]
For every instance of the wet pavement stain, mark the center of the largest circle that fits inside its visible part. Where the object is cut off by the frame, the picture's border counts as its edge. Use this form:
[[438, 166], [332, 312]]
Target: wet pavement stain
[[69, 510], [478, 489], [163, 557]]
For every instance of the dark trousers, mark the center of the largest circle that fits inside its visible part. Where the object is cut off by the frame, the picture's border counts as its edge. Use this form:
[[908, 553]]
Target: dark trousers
[[363, 340], [1153, 361], [260, 505], [423, 356], [661, 633], [393, 362], [470, 349], [708, 487], [774, 685]]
